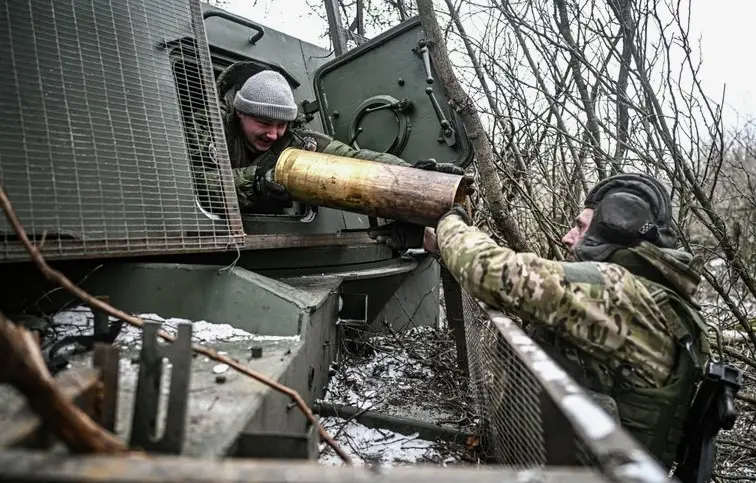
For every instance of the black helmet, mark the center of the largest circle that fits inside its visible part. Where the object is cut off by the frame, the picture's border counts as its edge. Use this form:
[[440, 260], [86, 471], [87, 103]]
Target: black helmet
[[628, 209]]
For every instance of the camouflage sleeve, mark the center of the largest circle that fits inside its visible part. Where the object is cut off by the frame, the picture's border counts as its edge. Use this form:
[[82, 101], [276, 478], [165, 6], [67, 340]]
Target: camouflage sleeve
[[602, 309], [244, 181], [202, 153], [209, 185], [328, 145]]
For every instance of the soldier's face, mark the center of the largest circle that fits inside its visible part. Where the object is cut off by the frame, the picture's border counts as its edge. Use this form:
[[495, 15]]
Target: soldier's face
[[262, 133], [577, 232]]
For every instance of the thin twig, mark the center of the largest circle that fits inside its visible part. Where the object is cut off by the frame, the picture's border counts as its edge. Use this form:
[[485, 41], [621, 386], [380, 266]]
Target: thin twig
[[725, 476], [735, 443], [57, 277], [737, 355], [748, 399]]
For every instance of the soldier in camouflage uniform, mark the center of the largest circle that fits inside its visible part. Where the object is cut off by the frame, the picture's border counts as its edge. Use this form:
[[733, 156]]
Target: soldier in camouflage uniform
[[620, 319], [260, 120]]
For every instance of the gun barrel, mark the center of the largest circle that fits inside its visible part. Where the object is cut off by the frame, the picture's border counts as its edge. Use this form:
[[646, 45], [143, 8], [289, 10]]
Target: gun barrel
[[368, 187]]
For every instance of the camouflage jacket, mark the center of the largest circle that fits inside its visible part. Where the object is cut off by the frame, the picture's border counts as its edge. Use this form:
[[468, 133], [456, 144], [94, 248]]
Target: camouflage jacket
[[246, 164], [599, 308]]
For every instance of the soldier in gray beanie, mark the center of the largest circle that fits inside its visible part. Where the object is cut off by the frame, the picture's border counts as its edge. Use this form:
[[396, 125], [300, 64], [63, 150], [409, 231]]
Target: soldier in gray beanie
[[260, 120], [266, 95]]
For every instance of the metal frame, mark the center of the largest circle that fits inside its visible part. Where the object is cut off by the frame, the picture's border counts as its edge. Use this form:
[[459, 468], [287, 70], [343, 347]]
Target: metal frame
[[569, 408], [194, 237], [569, 417], [149, 388], [38, 467]]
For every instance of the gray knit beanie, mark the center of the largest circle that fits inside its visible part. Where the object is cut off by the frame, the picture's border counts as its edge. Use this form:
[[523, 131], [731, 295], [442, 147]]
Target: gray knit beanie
[[268, 95]]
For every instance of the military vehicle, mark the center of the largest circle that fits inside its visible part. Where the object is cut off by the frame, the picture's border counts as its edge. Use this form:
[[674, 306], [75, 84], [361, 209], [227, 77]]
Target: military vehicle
[[97, 100], [109, 181]]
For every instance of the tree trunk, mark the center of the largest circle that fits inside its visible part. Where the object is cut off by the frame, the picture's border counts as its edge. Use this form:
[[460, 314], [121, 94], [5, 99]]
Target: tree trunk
[[490, 184]]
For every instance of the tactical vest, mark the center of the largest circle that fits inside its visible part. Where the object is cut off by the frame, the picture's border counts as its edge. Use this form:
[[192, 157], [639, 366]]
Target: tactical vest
[[653, 416]]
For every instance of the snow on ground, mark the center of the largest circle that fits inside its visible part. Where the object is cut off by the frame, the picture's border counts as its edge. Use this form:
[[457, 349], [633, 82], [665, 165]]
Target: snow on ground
[[366, 446], [80, 321], [412, 375]]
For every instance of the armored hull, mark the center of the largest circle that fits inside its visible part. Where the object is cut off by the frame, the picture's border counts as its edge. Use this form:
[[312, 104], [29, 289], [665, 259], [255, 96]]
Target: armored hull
[[99, 99], [111, 187]]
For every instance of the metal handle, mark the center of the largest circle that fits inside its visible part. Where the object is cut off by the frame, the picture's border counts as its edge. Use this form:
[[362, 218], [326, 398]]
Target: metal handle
[[380, 103], [260, 31], [354, 138], [400, 106], [448, 134], [426, 61]]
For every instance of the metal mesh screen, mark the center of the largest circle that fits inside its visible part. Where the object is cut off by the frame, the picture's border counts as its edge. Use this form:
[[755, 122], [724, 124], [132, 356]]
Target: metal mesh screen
[[533, 415], [507, 396], [101, 104]]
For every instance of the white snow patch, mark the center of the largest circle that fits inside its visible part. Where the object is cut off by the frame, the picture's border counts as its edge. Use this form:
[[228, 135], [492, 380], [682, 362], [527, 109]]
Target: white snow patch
[[717, 262], [375, 447], [359, 385], [80, 321], [403, 378]]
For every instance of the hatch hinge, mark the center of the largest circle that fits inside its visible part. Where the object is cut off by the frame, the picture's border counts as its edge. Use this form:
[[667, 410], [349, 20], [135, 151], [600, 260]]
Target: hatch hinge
[[447, 132], [309, 108]]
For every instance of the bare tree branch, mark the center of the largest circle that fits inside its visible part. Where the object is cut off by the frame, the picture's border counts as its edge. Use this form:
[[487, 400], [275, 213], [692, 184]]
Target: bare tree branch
[[464, 106]]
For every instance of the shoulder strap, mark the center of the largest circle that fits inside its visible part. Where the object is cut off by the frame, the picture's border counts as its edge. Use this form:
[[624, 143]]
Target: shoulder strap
[[688, 319]]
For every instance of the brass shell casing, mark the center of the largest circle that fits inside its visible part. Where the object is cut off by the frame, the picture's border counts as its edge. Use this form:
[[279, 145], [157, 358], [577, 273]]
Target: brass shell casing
[[368, 187]]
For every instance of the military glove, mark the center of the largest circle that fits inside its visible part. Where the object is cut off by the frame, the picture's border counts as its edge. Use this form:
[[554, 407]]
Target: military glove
[[269, 189], [432, 165], [398, 235], [458, 210]]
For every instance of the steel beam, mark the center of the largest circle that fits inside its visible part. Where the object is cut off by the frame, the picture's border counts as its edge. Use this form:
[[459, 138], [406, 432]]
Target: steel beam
[[21, 467], [455, 317], [149, 388]]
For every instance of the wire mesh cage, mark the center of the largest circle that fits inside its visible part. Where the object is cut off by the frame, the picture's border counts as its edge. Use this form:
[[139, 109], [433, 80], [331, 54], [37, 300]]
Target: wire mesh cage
[[112, 136], [506, 393], [532, 414]]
